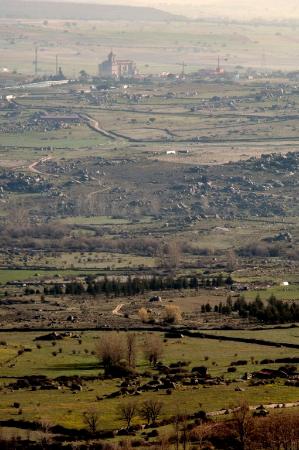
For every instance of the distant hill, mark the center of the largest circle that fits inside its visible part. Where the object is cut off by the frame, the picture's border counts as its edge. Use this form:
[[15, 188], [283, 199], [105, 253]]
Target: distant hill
[[23, 9]]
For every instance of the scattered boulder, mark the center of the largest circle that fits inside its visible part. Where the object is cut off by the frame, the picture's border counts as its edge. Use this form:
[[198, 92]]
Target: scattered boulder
[[50, 337]]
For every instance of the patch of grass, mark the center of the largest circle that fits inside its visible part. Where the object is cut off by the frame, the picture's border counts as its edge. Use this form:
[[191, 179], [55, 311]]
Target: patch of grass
[[290, 293], [287, 335], [7, 275], [66, 408]]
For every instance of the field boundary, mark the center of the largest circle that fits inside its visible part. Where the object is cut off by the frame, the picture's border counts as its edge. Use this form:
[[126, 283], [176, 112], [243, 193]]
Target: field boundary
[[178, 332]]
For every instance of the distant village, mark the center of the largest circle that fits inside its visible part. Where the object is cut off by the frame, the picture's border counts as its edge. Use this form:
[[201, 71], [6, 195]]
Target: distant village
[[114, 68]]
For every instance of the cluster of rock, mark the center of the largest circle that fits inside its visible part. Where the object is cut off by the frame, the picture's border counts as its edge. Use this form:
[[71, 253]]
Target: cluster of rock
[[55, 336], [169, 378], [41, 382], [20, 182]]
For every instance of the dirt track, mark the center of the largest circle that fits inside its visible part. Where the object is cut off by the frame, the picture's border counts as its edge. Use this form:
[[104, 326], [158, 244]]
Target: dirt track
[[116, 310], [223, 412], [32, 167]]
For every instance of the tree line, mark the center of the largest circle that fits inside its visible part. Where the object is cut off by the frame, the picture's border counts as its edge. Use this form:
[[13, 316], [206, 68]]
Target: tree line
[[271, 311], [116, 287]]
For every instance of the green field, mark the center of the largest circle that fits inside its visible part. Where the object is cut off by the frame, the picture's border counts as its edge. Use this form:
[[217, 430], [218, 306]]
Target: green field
[[78, 137], [65, 408], [290, 293], [102, 220], [7, 275], [67, 262], [166, 179], [287, 335]]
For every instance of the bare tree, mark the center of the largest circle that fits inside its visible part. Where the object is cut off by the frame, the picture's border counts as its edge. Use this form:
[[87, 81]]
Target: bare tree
[[110, 350], [164, 444], [172, 314], [150, 410], [242, 424], [201, 434], [177, 434], [174, 254], [45, 434], [123, 445], [153, 348], [232, 260], [169, 254], [160, 255], [180, 424], [127, 412], [131, 349], [91, 419], [277, 431], [143, 314], [18, 216]]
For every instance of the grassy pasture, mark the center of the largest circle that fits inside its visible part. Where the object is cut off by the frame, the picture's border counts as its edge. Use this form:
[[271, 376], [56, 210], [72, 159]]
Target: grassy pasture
[[288, 293], [77, 260], [102, 220], [75, 137], [66, 408], [249, 129], [7, 275], [197, 351], [287, 335]]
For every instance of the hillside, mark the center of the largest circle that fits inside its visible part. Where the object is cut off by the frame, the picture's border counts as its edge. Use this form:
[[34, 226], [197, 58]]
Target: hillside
[[246, 10], [76, 11]]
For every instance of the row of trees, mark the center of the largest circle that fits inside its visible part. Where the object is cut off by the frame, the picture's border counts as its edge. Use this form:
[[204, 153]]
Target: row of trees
[[116, 287], [271, 311], [242, 431], [148, 410], [118, 353], [279, 431]]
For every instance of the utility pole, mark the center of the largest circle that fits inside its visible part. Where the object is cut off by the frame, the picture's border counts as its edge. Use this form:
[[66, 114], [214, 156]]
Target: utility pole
[[264, 61], [183, 65], [219, 69], [183, 68], [35, 61]]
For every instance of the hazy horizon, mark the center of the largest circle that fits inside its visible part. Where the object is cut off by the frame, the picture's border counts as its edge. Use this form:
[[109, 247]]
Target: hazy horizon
[[241, 9]]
